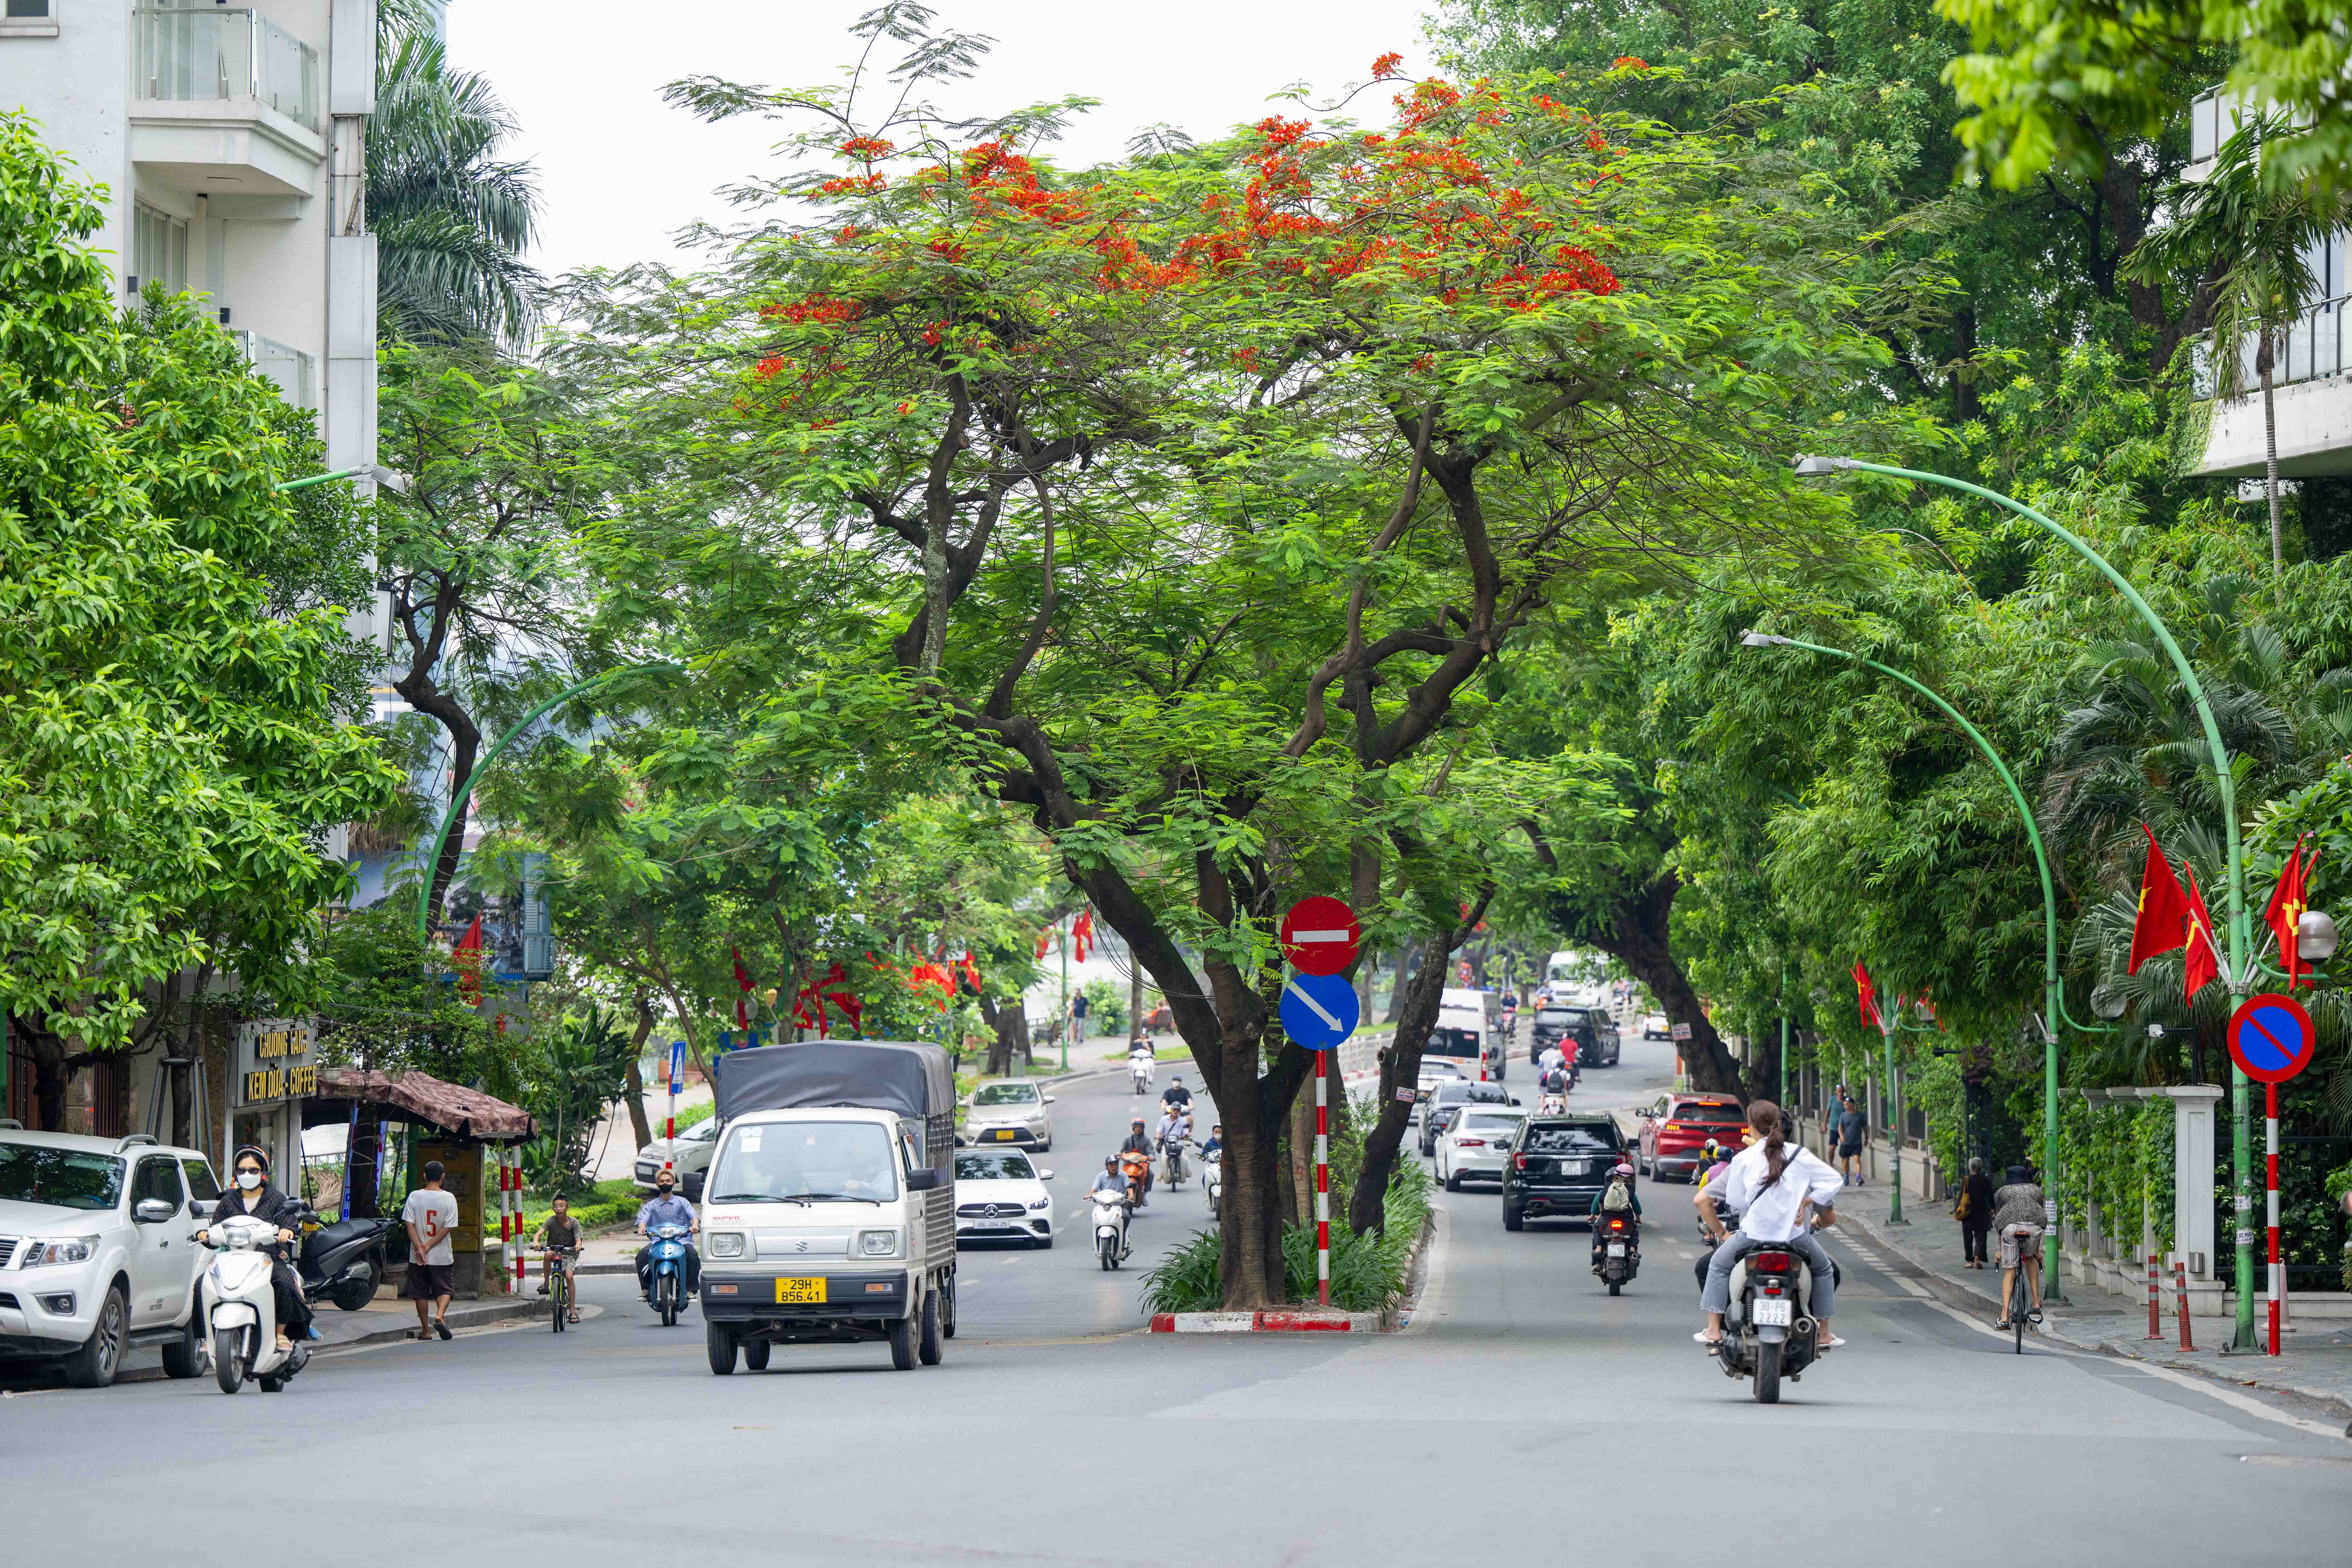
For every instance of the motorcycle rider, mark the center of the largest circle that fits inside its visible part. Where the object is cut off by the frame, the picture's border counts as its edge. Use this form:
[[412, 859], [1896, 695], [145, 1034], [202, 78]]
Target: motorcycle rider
[[1618, 1199], [1712, 1162], [1216, 1146], [1176, 1093], [1139, 1142], [1771, 1183], [251, 1195], [1114, 1182], [665, 1207]]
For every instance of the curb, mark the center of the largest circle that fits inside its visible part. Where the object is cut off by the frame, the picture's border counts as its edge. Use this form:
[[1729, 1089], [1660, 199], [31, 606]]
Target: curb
[[1304, 1319], [2054, 1325], [479, 1317]]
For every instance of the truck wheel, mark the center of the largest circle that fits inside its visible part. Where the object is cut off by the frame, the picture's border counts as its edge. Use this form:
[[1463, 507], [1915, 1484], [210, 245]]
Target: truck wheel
[[719, 1341], [902, 1345], [928, 1349], [755, 1354], [948, 1309], [101, 1355], [183, 1357]]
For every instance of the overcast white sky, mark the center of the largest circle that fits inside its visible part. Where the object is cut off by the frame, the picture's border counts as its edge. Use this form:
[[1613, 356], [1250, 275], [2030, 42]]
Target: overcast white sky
[[620, 171]]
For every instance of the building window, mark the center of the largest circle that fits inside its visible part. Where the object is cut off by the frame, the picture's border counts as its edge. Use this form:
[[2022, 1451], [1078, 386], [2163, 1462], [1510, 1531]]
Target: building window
[[28, 10], [159, 249]]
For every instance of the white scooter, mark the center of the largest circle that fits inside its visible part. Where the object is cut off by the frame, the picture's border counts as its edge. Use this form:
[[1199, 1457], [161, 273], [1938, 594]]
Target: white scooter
[[1110, 1228], [1141, 1068], [240, 1309], [1212, 1177]]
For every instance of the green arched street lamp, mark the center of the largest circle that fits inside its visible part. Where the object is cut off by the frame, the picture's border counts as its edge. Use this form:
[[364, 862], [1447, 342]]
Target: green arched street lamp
[[2241, 932], [2053, 984], [465, 791], [390, 479]]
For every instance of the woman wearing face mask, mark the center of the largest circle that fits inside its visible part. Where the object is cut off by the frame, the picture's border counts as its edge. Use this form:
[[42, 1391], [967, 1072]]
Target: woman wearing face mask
[[250, 1193]]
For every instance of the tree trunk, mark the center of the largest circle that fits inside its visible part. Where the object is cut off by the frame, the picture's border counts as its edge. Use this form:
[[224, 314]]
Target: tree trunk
[[1134, 997], [1396, 986], [1008, 1027], [641, 1129], [1635, 931], [2266, 364], [1400, 1069], [421, 692]]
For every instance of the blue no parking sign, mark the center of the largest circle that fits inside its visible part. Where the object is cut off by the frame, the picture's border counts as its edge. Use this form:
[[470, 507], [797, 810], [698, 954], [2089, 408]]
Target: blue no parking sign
[[1318, 1011], [2271, 1038]]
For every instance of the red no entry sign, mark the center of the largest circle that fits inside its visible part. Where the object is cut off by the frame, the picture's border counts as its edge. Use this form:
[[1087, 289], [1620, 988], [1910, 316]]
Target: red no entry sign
[[2271, 1038], [1320, 936]]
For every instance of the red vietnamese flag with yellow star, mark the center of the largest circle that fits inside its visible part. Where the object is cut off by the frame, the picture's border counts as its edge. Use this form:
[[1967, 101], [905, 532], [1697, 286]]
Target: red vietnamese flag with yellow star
[[2288, 900], [2162, 923], [1868, 994], [2202, 963]]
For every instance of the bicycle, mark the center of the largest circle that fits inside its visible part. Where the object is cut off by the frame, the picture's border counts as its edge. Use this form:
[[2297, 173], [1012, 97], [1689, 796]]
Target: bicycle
[[2016, 1302], [559, 1285]]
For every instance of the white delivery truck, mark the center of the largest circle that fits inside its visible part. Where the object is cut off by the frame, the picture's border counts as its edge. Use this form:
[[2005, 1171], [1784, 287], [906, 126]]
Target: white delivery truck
[[828, 1210], [1469, 1032]]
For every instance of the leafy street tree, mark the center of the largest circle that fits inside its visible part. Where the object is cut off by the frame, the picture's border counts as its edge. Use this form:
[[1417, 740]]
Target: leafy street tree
[[169, 750], [1193, 504]]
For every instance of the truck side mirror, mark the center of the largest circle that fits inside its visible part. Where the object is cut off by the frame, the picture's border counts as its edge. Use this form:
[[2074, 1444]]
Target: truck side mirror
[[922, 1181], [693, 1185]]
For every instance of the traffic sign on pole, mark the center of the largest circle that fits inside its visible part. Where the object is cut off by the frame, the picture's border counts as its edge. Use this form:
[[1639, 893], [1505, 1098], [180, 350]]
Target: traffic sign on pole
[[1320, 936], [1318, 1011], [2271, 1039]]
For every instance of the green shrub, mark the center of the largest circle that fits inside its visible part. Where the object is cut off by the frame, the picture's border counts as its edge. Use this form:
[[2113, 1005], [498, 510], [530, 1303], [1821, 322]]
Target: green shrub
[[1368, 1272], [606, 1204]]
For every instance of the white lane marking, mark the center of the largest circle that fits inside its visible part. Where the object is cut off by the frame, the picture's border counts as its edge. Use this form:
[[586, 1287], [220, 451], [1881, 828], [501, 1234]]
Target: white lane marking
[[1313, 1006], [2235, 1400]]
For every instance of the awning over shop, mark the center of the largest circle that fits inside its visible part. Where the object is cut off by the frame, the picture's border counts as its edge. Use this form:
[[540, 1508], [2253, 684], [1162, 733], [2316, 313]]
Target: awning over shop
[[420, 1096]]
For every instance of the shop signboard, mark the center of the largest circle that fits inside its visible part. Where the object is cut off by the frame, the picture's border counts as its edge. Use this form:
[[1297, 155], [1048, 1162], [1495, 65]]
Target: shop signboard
[[276, 1059]]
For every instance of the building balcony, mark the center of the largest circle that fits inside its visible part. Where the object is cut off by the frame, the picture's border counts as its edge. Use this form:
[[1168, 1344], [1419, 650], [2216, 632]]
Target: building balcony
[[225, 103], [290, 368]]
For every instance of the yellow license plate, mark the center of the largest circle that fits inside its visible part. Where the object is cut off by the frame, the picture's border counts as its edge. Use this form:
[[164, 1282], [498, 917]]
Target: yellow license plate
[[1005, 1134], [800, 1291]]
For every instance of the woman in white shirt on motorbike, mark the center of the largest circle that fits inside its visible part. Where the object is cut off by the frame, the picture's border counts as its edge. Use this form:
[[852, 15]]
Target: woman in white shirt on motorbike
[[1773, 1185]]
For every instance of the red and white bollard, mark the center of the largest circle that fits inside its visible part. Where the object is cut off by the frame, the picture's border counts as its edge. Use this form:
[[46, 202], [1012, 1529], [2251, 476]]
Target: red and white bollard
[[2155, 1301], [506, 1212], [1322, 1179], [2270, 1195], [2180, 1300]]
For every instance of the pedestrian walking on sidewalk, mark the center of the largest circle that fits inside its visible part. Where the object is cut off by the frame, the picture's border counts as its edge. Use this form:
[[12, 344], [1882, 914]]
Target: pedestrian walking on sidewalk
[[1975, 1214], [431, 1217], [1851, 1127]]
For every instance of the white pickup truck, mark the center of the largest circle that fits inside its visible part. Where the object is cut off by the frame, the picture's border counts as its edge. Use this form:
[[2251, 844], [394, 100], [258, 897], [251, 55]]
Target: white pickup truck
[[828, 1210]]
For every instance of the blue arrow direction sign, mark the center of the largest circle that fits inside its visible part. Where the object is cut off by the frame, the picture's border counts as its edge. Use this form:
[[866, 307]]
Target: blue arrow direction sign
[[1318, 1011]]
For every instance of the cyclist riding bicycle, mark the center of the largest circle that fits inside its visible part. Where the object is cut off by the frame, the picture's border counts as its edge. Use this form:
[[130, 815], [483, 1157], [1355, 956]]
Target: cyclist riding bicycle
[[559, 1233], [2017, 1216]]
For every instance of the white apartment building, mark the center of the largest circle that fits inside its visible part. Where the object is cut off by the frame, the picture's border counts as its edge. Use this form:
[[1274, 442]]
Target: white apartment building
[[2312, 377], [232, 140]]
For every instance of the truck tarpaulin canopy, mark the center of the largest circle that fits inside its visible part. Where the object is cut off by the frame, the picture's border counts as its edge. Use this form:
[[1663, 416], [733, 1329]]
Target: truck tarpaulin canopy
[[914, 1080]]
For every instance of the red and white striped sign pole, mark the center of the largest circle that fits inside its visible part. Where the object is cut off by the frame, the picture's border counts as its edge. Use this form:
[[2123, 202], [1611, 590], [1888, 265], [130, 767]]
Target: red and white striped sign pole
[[1323, 1187], [514, 1201], [2269, 1183]]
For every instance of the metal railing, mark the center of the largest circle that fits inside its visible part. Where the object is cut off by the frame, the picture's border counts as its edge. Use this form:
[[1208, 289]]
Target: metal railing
[[2316, 345], [220, 56], [288, 367]]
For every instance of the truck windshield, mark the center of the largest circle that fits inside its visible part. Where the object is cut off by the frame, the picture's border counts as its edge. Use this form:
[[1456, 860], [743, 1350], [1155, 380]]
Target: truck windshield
[[807, 1162], [61, 1178]]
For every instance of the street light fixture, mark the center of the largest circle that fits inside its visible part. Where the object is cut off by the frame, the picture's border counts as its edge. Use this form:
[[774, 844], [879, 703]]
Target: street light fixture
[[392, 480], [2241, 969], [2314, 935]]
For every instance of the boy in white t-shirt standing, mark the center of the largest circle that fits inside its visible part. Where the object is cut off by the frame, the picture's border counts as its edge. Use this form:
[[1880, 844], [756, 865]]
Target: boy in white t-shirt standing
[[431, 1215]]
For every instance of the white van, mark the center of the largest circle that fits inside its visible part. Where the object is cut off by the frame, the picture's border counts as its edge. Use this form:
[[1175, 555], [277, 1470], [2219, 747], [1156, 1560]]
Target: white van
[[1469, 1032]]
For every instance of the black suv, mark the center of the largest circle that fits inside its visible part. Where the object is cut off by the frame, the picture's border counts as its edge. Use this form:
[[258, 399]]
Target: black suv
[[1593, 1030], [1558, 1166]]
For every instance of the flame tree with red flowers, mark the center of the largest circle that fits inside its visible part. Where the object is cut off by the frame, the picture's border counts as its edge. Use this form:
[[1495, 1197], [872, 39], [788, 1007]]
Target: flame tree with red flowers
[[1193, 507]]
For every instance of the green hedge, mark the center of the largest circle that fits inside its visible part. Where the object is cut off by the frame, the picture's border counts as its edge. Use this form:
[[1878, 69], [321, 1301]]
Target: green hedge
[[607, 1203], [1368, 1272]]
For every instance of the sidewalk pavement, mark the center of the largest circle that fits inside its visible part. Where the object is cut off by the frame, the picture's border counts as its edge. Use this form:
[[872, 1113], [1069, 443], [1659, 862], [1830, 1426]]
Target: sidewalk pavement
[[2315, 1361], [387, 1319]]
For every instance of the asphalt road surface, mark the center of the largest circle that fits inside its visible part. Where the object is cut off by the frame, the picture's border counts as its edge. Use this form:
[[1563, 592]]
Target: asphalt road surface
[[1525, 1415]]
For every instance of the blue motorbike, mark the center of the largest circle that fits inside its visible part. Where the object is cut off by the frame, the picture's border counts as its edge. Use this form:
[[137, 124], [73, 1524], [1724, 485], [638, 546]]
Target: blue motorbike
[[666, 1272]]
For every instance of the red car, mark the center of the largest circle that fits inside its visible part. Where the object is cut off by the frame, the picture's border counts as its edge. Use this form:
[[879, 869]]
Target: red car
[[1675, 1127]]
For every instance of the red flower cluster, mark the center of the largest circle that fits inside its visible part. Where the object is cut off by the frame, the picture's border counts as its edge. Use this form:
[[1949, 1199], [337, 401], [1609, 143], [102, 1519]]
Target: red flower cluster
[[853, 184], [818, 310], [1386, 65], [869, 148], [1629, 62], [770, 365]]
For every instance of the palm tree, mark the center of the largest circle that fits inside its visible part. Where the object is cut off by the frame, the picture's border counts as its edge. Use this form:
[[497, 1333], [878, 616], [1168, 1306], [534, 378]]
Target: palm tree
[[451, 220], [2246, 239]]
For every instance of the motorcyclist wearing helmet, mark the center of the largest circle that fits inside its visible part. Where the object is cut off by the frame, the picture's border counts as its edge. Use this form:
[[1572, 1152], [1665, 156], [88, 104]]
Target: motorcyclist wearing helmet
[[1618, 1200], [1138, 1142], [251, 1196]]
